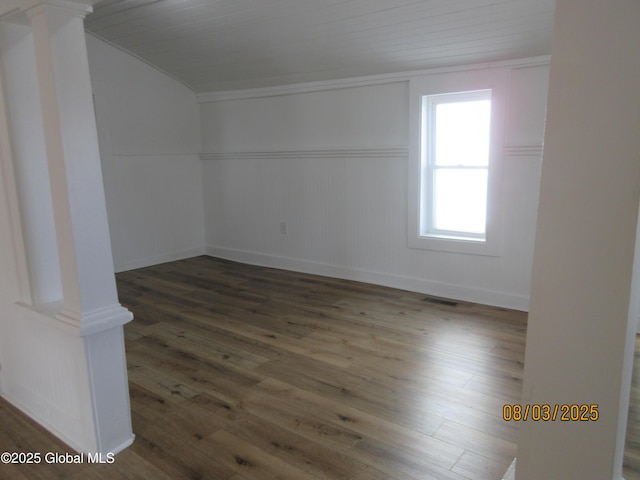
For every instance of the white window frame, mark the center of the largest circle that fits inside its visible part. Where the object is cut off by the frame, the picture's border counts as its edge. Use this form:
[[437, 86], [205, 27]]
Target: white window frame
[[464, 81]]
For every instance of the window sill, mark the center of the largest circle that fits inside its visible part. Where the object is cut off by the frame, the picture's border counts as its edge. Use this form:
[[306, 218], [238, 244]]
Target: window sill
[[469, 246]]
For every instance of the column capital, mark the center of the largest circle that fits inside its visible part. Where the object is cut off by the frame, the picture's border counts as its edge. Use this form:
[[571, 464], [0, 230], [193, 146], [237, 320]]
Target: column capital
[[79, 8]]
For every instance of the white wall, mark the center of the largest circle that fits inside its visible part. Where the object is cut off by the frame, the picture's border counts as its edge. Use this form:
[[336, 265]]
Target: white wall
[[333, 165], [342, 192], [149, 133]]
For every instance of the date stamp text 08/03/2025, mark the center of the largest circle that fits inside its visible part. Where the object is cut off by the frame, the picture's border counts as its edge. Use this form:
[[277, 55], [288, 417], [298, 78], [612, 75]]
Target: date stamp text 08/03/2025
[[567, 412]]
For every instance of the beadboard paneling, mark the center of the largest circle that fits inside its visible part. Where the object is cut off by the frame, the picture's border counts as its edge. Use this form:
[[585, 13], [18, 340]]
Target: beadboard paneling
[[157, 210], [229, 45], [281, 159], [148, 128]]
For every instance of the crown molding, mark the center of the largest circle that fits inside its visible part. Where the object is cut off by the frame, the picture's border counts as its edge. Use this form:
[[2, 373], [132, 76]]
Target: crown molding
[[363, 81]]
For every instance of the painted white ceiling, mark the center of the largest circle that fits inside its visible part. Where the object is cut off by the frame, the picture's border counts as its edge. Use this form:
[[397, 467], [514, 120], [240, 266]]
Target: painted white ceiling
[[215, 45]]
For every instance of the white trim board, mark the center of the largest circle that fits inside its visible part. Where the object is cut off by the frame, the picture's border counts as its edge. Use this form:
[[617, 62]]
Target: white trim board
[[522, 150], [370, 152], [419, 285], [313, 153]]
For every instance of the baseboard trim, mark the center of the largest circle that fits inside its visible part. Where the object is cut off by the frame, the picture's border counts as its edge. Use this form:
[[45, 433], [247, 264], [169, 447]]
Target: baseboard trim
[[158, 259], [73, 446], [429, 287], [43, 422], [510, 474], [124, 445]]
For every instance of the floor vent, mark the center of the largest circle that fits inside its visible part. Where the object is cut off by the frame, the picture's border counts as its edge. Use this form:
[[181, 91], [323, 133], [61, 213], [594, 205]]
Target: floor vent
[[440, 301]]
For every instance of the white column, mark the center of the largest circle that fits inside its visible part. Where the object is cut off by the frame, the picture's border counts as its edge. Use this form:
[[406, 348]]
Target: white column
[[84, 249], [580, 334], [84, 335]]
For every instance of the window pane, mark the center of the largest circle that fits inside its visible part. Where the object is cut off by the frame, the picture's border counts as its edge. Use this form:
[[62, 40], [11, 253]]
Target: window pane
[[462, 133], [460, 200]]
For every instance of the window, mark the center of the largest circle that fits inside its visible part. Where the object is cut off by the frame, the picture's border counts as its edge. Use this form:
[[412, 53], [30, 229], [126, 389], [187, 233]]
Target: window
[[454, 150], [454, 162]]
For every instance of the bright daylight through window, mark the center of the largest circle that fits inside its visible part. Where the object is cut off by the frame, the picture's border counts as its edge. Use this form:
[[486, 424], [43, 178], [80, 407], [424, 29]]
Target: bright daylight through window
[[454, 145]]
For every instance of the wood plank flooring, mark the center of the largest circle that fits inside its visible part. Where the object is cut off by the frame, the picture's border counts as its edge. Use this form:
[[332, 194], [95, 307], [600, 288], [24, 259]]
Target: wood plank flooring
[[239, 372]]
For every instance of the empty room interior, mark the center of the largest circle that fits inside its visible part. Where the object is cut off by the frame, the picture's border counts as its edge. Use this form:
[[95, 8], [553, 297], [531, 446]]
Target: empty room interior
[[330, 239]]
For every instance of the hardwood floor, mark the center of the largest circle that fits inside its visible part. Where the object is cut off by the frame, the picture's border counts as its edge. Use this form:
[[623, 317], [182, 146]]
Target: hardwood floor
[[240, 372]]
